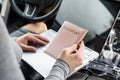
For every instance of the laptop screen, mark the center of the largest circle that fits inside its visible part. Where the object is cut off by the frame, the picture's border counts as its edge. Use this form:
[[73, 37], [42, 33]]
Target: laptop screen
[[97, 16]]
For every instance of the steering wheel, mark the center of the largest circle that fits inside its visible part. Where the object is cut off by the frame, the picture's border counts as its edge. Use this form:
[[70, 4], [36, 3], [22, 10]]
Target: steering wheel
[[33, 9]]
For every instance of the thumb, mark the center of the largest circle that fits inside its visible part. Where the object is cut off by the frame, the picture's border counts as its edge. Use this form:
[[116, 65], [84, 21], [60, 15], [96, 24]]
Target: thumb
[[72, 48], [81, 46], [29, 48]]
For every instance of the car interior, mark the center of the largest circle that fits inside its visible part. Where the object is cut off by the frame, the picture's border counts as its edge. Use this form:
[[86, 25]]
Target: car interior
[[85, 13]]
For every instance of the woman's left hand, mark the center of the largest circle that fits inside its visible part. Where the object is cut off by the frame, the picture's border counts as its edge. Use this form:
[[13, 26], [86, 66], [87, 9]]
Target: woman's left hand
[[24, 41]]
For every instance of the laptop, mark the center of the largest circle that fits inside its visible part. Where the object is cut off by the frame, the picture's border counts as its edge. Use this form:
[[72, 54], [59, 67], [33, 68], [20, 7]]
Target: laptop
[[99, 17]]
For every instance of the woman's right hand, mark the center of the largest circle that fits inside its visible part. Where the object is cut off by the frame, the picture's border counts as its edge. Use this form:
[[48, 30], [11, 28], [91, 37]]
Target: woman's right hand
[[73, 55]]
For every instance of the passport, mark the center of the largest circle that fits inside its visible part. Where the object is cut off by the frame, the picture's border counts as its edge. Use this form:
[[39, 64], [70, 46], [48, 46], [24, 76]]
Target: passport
[[67, 35]]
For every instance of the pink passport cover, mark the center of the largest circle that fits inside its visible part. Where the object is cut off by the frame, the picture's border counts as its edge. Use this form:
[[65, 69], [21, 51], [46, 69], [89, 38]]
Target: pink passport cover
[[68, 35]]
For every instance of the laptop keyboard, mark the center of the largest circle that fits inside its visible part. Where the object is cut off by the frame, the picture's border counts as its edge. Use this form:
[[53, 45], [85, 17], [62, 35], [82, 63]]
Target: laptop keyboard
[[87, 53], [50, 34]]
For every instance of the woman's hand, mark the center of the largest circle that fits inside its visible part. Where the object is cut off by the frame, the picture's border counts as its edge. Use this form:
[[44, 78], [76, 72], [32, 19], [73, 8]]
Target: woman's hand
[[73, 55], [24, 41]]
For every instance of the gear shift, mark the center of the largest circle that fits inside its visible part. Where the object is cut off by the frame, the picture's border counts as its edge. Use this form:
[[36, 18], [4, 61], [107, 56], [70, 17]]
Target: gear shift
[[112, 36], [107, 53]]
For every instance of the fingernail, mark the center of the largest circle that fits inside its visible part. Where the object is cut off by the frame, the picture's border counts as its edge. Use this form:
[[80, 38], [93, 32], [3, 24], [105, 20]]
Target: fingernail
[[45, 43], [75, 51], [34, 49]]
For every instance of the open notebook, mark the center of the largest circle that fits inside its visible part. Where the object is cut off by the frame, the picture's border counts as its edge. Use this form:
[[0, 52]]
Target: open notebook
[[67, 35]]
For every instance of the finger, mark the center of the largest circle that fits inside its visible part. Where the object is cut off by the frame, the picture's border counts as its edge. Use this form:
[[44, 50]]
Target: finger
[[81, 47], [36, 40], [28, 48], [41, 38], [72, 48]]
